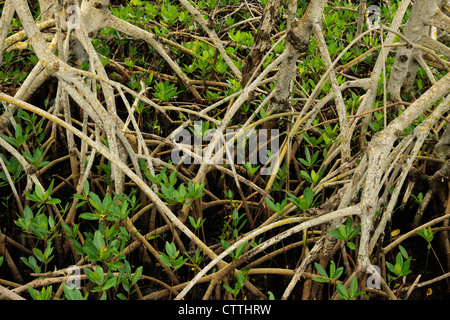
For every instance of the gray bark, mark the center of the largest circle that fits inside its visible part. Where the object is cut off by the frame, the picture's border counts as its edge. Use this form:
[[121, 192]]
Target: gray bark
[[442, 148], [425, 13], [297, 41]]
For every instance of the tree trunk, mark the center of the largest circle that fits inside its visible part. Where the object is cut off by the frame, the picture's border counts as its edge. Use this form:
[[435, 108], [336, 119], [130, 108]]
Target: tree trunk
[[262, 42], [424, 14]]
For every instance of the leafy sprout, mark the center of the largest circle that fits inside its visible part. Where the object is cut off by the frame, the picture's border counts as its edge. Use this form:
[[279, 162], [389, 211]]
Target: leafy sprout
[[346, 233]]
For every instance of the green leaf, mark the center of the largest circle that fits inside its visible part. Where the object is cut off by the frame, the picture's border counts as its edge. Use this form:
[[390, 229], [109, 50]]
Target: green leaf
[[86, 187], [192, 221], [125, 284], [72, 294], [353, 287], [399, 259], [332, 269], [49, 190], [95, 202], [342, 291], [28, 213], [111, 282], [320, 279], [343, 231], [321, 270], [53, 201], [338, 273], [240, 250], [304, 162], [179, 263], [403, 252], [121, 296], [94, 276], [33, 197], [228, 288], [10, 140], [354, 233], [171, 250], [398, 269], [351, 245], [137, 275], [348, 226], [31, 263], [307, 156], [308, 195], [405, 268], [165, 260], [315, 176], [336, 234], [271, 204], [305, 175], [38, 191], [98, 240], [32, 293], [235, 217], [48, 250], [225, 244], [390, 267], [39, 254], [77, 247]]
